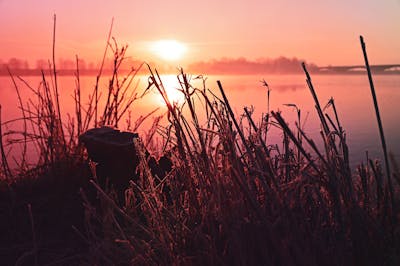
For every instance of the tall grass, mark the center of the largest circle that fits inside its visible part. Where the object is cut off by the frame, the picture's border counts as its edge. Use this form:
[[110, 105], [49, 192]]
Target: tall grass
[[54, 138], [231, 198], [236, 201], [378, 118], [52, 163]]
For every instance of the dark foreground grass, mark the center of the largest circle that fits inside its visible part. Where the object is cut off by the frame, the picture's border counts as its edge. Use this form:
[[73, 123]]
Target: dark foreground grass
[[231, 198]]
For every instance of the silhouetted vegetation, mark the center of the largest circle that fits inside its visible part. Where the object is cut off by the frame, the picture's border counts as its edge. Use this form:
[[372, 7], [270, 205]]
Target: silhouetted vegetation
[[233, 197]]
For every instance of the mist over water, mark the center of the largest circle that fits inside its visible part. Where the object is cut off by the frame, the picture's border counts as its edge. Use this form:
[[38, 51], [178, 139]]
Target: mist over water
[[351, 94]]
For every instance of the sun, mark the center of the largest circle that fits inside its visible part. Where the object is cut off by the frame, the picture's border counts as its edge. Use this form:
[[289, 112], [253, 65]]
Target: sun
[[169, 50]]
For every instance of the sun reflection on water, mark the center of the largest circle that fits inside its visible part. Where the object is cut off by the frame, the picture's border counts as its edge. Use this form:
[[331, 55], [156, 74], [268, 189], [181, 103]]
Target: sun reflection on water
[[172, 88]]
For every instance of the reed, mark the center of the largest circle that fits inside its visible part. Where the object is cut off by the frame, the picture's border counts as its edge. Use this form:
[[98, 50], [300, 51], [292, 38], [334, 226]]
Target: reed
[[6, 172], [379, 121]]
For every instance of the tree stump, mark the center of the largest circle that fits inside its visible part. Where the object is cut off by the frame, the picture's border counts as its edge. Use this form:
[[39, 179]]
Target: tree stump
[[116, 158], [115, 155]]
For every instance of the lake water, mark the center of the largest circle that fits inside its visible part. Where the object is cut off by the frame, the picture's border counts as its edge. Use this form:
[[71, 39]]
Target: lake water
[[351, 94]]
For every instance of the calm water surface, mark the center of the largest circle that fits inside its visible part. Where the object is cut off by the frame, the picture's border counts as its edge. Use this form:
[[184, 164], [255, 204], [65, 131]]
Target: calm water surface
[[350, 92]]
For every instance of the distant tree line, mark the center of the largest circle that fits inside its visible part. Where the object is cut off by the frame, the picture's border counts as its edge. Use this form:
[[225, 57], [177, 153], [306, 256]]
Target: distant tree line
[[21, 64], [280, 65], [63, 66]]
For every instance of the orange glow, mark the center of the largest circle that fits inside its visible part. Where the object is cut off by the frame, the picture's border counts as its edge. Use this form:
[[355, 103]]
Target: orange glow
[[172, 88], [325, 33], [169, 50]]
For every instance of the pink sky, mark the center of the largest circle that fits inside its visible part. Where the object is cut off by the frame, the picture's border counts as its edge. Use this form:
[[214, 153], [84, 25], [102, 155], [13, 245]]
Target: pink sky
[[323, 32]]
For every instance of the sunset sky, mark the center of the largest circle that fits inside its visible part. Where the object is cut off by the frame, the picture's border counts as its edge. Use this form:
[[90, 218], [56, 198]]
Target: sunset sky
[[323, 32]]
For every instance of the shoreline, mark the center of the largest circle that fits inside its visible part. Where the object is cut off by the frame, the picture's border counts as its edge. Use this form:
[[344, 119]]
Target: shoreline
[[95, 72]]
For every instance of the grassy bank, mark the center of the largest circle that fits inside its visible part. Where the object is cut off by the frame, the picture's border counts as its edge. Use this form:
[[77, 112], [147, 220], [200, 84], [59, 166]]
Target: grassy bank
[[232, 198]]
